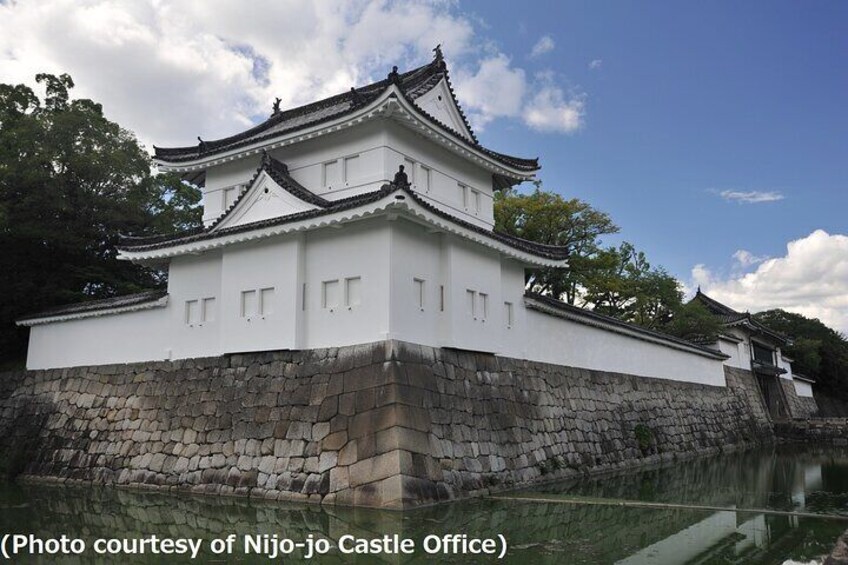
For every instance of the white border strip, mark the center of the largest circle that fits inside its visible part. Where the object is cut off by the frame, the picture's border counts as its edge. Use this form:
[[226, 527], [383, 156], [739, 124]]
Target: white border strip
[[160, 303]]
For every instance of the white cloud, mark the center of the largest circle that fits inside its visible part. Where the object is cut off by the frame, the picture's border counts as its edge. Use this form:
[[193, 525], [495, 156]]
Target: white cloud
[[751, 197], [747, 259], [544, 45], [496, 90], [595, 64], [811, 279], [549, 110], [170, 70]]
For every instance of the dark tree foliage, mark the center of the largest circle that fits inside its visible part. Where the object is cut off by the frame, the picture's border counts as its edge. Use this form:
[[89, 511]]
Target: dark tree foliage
[[620, 282], [70, 182], [817, 350], [616, 281], [692, 321], [548, 218]]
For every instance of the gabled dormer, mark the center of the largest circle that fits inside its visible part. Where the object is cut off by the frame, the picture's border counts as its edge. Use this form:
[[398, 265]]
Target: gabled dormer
[[272, 193]]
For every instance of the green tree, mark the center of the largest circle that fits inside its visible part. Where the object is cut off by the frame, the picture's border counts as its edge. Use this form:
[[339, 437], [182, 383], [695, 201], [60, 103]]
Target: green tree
[[71, 181], [817, 350], [623, 284], [693, 322], [616, 281], [548, 218]]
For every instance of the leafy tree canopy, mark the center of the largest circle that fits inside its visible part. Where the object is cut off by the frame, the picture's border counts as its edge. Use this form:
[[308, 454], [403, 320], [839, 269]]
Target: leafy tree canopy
[[70, 182], [693, 322], [816, 350], [616, 281], [548, 218]]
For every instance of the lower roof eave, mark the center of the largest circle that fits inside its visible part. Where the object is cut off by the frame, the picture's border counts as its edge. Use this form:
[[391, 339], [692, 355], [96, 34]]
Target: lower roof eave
[[390, 204]]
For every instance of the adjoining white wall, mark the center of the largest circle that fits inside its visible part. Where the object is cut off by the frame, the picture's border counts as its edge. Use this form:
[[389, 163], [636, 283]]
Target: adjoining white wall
[[736, 350], [803, 388], [101, 340], [784, 363], [564, 342]]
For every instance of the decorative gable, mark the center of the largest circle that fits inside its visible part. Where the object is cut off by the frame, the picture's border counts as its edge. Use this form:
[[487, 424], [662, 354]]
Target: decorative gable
[[271, 194], [440, 104]]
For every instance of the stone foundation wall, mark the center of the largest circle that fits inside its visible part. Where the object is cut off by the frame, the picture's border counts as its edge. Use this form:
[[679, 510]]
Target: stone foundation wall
[[387, 424], [799, 407], [819, 430]]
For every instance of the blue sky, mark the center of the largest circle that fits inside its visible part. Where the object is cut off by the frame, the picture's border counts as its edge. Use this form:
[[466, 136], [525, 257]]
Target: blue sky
[[688, 100], [714, 133]]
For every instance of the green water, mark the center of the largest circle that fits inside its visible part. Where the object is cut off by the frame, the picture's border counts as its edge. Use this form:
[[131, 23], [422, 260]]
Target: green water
[[812, 480]]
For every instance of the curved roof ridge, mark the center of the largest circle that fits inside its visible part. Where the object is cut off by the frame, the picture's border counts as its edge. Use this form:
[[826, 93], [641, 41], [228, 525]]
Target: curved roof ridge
[[354, 97], [412, 84]]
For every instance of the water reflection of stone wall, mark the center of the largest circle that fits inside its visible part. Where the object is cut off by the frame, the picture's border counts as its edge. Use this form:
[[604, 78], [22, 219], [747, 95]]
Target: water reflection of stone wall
[[387, 424]]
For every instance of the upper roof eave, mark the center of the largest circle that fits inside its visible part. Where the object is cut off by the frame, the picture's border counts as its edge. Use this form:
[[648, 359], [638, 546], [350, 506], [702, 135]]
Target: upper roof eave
[[518, 167]]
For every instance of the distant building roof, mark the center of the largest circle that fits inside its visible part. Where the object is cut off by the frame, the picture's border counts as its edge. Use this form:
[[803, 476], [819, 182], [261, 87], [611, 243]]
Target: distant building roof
[[730, 317]]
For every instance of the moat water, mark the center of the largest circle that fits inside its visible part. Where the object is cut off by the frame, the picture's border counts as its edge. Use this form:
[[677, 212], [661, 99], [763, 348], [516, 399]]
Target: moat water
[[767, 506]]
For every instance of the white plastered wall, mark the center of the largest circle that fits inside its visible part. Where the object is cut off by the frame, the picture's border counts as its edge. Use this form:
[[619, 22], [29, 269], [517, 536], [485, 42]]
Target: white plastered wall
[[372, 266], [341, 256], [564, 342], [260, 290], [803, 388], [101, 340], [361, 159]]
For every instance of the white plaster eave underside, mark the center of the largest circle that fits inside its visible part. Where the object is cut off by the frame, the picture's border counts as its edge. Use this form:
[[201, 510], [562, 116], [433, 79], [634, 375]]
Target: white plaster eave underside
[[159, 303], [615, 328], [387, 205], [391, 104]]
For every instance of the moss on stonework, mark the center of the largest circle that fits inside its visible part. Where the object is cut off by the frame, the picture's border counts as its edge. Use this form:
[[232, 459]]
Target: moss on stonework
[[645, 438]]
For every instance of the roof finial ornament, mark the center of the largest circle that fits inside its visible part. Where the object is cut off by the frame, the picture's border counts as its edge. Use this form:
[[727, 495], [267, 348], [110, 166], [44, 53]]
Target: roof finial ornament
[[201, 145], [266, 159], [276, 109], [394, 76], [439, 57], [354, 94], [401, 179]]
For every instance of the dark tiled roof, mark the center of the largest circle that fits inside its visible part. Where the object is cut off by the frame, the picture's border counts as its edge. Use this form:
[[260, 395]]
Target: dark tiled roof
[[413, 84], [589, 314], [728, 316], [161, 242], [95, 305], [767, 368]]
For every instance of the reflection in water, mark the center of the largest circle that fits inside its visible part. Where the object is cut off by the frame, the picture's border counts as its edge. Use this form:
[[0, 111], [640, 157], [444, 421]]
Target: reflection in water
[[809, 481]]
